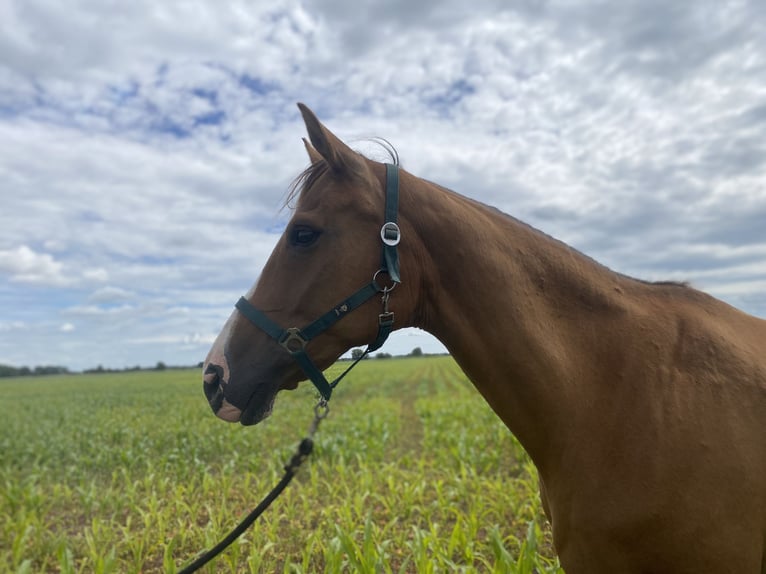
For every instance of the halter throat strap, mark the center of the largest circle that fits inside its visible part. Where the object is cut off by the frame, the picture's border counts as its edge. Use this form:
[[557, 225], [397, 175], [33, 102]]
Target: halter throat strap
[[295, 340]]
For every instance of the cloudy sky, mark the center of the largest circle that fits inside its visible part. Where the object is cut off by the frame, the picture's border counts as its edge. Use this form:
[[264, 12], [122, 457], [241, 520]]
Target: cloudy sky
[[146, 147]]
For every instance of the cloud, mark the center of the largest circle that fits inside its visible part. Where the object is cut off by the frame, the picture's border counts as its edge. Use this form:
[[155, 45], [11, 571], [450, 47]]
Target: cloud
[[98, 311], [13, 326], [27, 266], [194, 339], [110, 294], [146, 148]]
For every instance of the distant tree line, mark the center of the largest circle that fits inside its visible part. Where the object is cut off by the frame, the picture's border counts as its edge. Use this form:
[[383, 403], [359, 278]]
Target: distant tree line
[[160, 366], [416, 352], [9, 371]]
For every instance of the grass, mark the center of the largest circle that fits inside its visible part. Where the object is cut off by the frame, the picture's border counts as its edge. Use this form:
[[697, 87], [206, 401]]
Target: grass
[[131, 472]]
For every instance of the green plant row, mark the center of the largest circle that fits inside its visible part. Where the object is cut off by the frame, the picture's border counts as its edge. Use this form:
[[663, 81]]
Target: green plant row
[[131, 472]]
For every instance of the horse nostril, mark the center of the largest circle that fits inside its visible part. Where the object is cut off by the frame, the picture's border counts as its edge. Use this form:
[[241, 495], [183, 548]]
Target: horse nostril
[[211, 381], [213, 374]]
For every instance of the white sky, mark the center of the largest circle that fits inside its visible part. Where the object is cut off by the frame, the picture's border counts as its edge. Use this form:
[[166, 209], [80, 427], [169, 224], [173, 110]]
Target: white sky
[[145, 147]]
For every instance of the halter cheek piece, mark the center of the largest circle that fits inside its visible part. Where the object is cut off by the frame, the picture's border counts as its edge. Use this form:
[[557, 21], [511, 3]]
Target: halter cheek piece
[[294, 340]]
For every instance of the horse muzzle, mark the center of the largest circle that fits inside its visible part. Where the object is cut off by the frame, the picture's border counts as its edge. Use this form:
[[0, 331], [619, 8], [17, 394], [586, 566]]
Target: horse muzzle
[[213, 383]]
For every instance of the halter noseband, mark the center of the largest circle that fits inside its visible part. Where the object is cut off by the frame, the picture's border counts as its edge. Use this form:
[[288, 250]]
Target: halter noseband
[[294, 340]]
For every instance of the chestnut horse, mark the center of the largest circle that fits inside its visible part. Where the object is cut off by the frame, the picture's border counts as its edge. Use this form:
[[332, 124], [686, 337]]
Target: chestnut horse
[[643, 405]]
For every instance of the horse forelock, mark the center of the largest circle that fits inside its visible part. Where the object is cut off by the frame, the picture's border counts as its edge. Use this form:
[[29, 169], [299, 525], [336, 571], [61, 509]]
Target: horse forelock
[[304, 181], [307, 179]]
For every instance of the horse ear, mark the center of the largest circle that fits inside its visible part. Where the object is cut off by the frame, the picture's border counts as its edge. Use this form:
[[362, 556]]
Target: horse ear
[[337, 154], [314, 156]]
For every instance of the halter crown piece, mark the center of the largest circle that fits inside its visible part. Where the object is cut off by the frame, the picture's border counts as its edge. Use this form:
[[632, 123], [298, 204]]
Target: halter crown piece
[[294, 340]]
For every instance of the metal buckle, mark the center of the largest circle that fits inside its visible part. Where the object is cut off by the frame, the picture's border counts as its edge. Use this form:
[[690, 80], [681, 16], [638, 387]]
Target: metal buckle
[[293, 341], [386, 319], [390, 234]]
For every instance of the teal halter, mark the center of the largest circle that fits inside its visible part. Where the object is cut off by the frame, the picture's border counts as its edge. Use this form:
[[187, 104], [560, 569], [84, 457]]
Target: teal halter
[[294, 340]]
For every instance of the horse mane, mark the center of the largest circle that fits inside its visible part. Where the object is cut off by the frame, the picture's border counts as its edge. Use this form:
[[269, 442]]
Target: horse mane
[[684, 284]]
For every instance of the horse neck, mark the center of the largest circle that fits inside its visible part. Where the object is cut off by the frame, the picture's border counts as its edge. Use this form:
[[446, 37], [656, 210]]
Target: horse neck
[[515, 308]]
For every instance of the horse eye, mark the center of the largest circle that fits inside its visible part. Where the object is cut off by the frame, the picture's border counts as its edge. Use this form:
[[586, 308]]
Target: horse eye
[[303, 236]]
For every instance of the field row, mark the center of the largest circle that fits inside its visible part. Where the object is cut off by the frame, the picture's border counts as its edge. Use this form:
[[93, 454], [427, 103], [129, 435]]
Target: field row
[[131, 472]]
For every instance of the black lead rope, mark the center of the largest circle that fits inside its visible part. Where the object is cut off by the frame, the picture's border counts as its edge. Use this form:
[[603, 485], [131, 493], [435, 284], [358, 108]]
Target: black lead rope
[[294, 340], [305, 447]]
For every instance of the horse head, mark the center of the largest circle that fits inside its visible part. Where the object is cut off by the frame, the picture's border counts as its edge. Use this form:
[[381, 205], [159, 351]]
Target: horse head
[[330, 248]]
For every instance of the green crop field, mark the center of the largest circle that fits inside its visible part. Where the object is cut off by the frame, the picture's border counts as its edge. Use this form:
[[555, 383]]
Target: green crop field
[[131, 472]]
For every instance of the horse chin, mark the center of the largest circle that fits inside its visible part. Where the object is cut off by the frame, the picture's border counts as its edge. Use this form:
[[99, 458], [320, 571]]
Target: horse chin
[[260, 406], [257, 410], [289, 386]]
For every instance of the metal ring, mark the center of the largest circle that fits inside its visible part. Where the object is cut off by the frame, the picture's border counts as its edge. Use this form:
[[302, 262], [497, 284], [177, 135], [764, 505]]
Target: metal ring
[[321, 410], [390, 226], [383, 289]]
